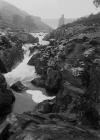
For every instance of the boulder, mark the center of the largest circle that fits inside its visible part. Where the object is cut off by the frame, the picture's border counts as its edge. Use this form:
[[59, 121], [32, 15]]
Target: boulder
[[39, 82], [45, 107], [6, 98], [11, 53], [53, 81], [3, 68], [26, 38], [18, 87], [34, 59]]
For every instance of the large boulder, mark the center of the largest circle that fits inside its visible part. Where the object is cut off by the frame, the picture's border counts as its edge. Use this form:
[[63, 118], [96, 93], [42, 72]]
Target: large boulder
[[45, 107], [26, 38], [53, 81], [3, 68], [6, 98], [39, 82], [11, 57], [34, 59], [11, 53], [18, 87]]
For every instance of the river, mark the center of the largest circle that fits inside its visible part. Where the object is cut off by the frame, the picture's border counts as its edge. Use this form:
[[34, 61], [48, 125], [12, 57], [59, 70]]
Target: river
[[27, 100]]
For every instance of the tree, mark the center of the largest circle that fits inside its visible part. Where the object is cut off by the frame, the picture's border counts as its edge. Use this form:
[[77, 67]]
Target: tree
[[96, 3]]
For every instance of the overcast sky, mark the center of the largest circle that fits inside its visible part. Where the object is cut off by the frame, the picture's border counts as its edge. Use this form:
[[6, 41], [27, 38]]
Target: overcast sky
[[55, 8]]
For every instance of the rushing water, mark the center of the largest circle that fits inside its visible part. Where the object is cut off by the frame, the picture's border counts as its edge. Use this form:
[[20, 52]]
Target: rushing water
[[41, 36], [25, 73]]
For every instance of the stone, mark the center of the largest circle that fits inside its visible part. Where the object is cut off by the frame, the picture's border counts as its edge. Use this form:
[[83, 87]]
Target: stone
[[26, 38], [45, 107], [38, 82], [7, 98], [11, 53], [45, 137], [18, 87], [53, 81]]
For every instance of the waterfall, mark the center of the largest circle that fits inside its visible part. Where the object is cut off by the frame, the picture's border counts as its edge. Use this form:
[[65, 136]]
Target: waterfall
[[22, 72]]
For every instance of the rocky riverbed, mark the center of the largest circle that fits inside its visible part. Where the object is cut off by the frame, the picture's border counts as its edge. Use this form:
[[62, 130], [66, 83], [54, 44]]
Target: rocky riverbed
[[62, 78]]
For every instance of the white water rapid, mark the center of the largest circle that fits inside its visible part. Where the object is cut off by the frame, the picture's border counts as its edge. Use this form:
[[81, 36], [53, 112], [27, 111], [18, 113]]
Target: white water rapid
[[25, 73]]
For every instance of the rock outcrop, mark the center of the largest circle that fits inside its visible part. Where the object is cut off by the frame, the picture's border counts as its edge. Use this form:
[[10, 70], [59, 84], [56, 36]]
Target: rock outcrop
[[18, 87], [6, 99], [11, 52]]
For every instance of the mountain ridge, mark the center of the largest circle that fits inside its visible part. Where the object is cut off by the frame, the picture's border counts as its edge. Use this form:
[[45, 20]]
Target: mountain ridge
[[25, 20]]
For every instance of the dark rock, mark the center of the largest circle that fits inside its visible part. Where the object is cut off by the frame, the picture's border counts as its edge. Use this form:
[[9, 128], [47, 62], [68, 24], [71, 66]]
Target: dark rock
[[26, 38], [5, 133], [30, 126], [34, 59], [6, 98], [45, 137], [53, 82], [52, 42], [45, 107], [18, 87], [11, 53], [38, 82], [2, 67]]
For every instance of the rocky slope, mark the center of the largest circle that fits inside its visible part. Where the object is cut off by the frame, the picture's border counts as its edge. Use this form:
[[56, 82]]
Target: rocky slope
[[86, 26], [11, 52]]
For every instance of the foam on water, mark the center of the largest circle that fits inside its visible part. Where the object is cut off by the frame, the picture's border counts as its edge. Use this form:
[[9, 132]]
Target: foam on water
[[38, 96]]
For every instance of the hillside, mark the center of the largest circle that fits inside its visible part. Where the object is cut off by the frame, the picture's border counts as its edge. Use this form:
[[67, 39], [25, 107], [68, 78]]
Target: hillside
[[11, 16], [54, 22], [85, 26]]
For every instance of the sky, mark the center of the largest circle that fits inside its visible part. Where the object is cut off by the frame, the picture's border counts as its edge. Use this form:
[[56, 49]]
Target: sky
[[55, 8]]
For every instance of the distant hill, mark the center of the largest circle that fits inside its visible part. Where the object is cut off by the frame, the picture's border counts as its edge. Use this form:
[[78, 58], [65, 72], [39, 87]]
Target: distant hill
[[88, 26], [12, 16], [55, 22]]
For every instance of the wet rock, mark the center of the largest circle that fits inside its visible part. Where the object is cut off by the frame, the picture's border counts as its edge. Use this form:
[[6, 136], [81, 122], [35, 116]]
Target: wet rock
[[34, 59], [45, 107], [53, 81], [52, 42], [42, 127], [18, 87], [6, 98], [45, 137], [2, 67], [26, 38], [11, 53], [39, 82]]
